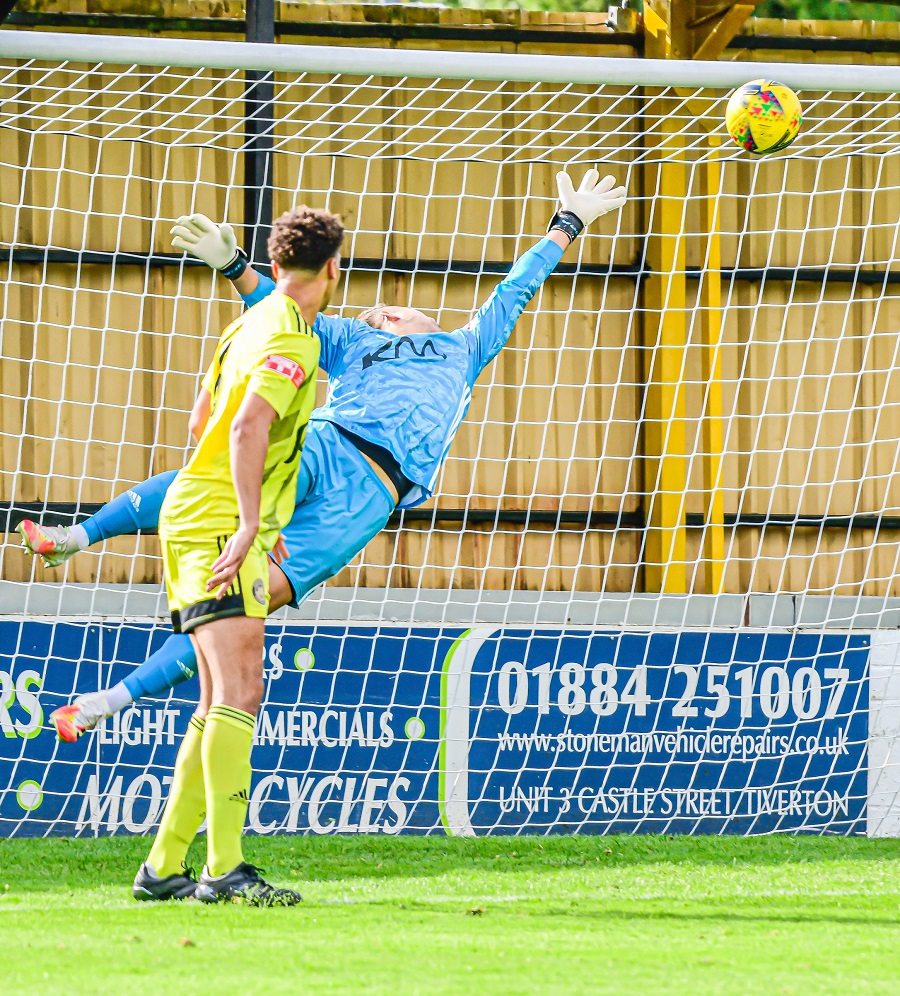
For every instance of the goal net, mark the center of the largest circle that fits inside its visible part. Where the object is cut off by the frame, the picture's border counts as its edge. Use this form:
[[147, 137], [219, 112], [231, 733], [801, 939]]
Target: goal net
[[656, 590]]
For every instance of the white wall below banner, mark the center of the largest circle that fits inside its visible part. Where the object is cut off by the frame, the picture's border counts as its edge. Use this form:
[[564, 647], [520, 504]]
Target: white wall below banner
[[884, 735], [456, 606]]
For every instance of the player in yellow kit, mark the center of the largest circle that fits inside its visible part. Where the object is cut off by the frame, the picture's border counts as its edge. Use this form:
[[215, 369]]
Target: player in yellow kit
[[221, 516], [272, 353]]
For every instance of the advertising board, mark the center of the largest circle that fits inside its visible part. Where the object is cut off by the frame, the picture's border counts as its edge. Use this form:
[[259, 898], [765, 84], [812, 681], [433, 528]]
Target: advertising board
[[399, 729]]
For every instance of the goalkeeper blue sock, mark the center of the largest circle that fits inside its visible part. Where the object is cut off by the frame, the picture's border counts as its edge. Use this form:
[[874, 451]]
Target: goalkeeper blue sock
[[173, 663], [135, 509]]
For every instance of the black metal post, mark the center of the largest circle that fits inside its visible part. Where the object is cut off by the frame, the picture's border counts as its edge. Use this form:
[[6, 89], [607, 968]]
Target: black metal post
[[6, 7], [259, 127]]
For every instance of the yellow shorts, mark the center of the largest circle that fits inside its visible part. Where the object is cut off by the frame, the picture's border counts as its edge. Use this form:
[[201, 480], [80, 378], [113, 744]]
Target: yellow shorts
[[188, 567]]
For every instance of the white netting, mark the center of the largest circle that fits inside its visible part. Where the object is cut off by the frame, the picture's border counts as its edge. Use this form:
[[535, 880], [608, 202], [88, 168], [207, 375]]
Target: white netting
[[540, 514]]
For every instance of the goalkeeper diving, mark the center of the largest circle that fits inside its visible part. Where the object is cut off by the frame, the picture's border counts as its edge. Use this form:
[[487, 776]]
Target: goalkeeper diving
[[399, 387]]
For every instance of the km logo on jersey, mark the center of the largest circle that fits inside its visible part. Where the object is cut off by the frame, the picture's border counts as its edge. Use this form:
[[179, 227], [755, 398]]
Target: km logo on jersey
[[391, 351]]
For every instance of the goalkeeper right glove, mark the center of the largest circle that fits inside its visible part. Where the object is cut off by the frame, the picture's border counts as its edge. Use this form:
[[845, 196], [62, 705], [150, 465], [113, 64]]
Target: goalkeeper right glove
[[215, 244], [592, 200]]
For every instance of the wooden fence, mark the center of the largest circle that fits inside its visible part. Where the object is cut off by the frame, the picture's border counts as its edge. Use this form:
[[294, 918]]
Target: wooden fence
[[99, 358]]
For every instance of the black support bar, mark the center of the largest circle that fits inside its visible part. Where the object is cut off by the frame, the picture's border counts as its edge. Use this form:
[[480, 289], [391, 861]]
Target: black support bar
[[361, 30], [259, 97], [635, 520], [811, 43], [65, 513], [780, 274]]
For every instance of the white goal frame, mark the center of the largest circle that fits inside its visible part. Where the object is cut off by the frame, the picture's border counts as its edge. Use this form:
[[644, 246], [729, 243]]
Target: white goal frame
[[436, 64]]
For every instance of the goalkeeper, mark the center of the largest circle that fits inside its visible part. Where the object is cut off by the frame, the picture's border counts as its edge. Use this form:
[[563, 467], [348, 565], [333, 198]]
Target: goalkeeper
[[399, 387]]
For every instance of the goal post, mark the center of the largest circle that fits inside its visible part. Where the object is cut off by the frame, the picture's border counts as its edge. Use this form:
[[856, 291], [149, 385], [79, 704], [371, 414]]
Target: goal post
[[429, 64], [656, 589]]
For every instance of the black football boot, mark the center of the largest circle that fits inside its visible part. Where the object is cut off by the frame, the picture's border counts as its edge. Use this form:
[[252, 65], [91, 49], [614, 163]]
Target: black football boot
[[243, 884], [149, 887]]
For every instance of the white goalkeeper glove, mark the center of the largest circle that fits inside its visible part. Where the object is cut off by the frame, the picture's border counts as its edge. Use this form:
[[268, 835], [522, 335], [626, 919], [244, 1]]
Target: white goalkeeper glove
[[215, 244], [593, 199]]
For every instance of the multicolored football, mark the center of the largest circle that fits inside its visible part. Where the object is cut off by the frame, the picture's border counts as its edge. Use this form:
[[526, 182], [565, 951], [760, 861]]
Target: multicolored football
[[763, 116]]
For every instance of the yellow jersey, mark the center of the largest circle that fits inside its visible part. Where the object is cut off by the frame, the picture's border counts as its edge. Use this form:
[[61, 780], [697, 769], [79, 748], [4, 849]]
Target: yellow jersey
[[269, 351]]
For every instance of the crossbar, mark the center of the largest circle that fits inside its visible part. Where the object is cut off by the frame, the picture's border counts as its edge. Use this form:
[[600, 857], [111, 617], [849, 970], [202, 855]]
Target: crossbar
[[402, 63]]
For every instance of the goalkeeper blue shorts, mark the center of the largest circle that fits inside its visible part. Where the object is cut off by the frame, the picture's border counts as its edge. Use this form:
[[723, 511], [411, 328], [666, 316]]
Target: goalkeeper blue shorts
[[341, 505]]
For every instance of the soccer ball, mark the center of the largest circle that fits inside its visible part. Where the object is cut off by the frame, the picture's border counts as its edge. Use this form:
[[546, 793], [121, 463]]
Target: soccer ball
[[763, 116]]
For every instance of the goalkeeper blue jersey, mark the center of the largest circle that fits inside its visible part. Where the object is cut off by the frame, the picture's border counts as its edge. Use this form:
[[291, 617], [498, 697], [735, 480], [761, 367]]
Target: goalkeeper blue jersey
[[408, 394]]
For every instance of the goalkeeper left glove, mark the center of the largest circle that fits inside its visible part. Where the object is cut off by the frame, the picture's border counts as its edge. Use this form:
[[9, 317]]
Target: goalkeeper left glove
[[215, 244], [592, 200]]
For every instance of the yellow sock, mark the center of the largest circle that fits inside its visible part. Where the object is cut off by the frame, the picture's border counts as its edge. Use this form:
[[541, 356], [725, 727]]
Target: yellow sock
[[185, 807], [227, 741]]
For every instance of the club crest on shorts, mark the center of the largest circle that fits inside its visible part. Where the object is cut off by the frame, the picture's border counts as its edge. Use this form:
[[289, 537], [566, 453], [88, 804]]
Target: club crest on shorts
[[259, 591]]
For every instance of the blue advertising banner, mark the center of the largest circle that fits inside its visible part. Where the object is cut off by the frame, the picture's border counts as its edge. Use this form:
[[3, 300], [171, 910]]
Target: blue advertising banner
[[397, 729], [690, 732]]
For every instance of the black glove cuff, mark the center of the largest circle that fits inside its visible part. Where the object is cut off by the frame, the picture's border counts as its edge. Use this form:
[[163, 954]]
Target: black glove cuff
[[237, 266], [566, 222]]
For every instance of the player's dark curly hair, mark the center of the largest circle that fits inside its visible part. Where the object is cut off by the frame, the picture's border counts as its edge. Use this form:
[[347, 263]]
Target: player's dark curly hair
[[305, 238]]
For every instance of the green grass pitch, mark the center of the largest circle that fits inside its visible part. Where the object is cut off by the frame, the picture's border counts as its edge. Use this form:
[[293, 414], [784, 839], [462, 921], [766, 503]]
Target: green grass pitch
[[436, 915]]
